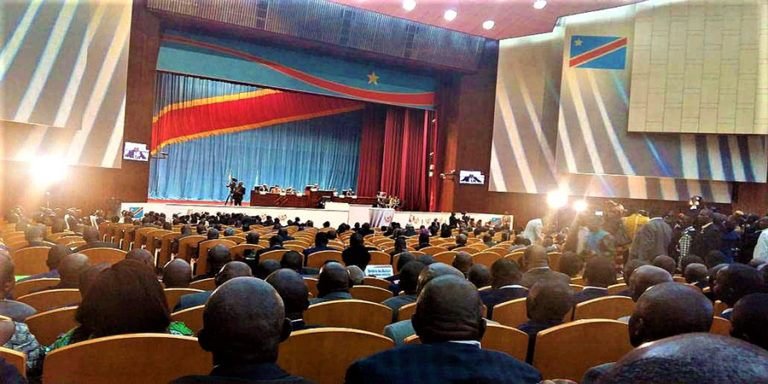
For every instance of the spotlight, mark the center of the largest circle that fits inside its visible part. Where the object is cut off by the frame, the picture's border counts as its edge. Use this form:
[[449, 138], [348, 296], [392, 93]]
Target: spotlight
[[488, 24], [47, 170], [557, 199], [409, 5], [450, 14], [540, 4], [580, 205]]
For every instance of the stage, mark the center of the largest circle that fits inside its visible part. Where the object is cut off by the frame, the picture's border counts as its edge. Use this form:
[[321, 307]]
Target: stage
[[335, 213]]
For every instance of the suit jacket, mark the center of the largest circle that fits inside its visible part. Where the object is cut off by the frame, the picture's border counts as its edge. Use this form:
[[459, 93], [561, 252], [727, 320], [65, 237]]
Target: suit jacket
[[310, 251], [244, 373], [535, 275], [532, 328], [399, 331], [589, 293], [442, 363], [331, 297], [398, 301], [708, 239], [593, 375], [192, 300], [497, 296], [651, 240]]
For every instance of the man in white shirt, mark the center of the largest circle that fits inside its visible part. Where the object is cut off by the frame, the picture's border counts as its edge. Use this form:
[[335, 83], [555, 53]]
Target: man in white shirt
[[761, 248], [533, 230]]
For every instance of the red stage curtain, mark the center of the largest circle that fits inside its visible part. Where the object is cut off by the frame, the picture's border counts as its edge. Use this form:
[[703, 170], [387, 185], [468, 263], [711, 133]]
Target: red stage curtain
[[371, 150]]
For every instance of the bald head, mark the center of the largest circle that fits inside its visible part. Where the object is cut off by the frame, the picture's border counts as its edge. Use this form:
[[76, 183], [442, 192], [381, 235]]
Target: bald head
[[70, 268], [55, 254], [448, 308], [666, 263], [177, 274], [218, 255], [700, 358], [695, 272], [736, 281], [292, 289], [435, 270], [462, 262], [91, 234], [548, 300], [141, 255], [333, 278], [749, 319], [535, 256], [232, 270], [645, 277], [243, 322], [669, 309]]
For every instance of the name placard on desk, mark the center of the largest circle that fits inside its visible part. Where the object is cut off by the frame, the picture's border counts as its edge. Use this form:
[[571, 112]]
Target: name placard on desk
[[381, 270]]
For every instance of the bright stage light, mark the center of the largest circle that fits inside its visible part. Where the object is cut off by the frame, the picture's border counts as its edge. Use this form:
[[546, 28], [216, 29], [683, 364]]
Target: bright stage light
[[540, 4], [409, 5], [580, 205], [450, 14], [557, 199], [47, 170]]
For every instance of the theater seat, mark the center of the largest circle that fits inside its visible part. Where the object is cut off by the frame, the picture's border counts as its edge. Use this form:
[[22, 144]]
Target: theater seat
[[323, 355], [51, 299], [608, 307], [511, 313], [26, 287], [104, 255], [511, 341], [357, 314], [317, 259], [48, 326], [15, 358], [191, 317], [127, 359], [370, 293], [173, 295], [721, 326], [30, 261]]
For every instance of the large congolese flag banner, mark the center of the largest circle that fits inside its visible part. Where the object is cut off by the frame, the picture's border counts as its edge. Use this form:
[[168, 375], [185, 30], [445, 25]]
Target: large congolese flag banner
[[598, 52]]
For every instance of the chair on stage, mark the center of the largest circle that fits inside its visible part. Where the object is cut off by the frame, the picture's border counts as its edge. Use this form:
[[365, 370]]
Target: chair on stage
[[104, 255]]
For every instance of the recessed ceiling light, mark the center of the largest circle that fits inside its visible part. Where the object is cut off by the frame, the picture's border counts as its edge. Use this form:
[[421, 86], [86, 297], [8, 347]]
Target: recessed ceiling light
[[488, 24], [540, 4], [409, 5], [450, 14]]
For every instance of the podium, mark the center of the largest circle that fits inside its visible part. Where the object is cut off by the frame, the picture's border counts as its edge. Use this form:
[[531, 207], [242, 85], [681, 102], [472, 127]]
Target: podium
[[380, 217]]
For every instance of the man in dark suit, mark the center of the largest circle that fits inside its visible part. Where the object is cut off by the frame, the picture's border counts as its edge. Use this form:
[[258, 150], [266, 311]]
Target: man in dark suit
[[505, 285], [34, 234], [228, 271], [449, 322], [243, 325], [218, 255], [55, 254], [333, 283], [734, 282], [177, 273], [409, 278], [547, 303], [91, 237], [321, 244], [709, 236], [295, 294], [598, 275], [275, 242], [535, 259]]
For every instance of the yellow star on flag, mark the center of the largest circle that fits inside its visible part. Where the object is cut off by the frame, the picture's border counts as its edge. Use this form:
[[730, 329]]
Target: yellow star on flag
[[578, 42], [373, 78]]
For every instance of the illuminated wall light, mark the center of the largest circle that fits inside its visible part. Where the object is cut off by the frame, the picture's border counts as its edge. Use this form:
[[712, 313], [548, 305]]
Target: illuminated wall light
[[557, 199], [409, 5], [450, 14], [47, 170], [540, 4], [580, 205], [488, 24]]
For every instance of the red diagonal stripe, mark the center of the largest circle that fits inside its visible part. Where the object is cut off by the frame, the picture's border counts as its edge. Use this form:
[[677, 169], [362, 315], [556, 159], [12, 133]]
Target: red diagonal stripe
[[589, 55]]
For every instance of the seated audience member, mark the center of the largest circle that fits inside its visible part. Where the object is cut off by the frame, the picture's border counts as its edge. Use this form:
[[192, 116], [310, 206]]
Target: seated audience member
[[212, 234], [274, 243], [356, 253], [400, 330], [690, 259], [282, 233], [356, 275], [598, 275], [402, 260], [700, 358], [629, 268], [409, 277], [571, 264], [15, 335], [450, 325], [734, 282], [218, 255], [34, 234], [333, 283], [252, 238], [55, 254], [488, 240], [124, 298], [479, 275], [228, 271], [462, 262], [400, 246], [696, 274], [177, 273], [9, 374], [645, 277], [423, 241], [536, 260], [265, 268], [141, 255], [669, 309], [243, 323], [749, 319], [70, 268], [714, 258], [321, 244], [505, 285], [712, 276], [293, 260], [229, 231], [93, 240], [547, 303], [295, 294], [88, 276], [461, 241], [666, 263], [426, 259]]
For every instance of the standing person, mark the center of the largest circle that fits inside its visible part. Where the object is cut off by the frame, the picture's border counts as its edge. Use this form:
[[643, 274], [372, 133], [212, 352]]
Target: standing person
[[651, 240], [534, 230], [238, 193], [709, 236]]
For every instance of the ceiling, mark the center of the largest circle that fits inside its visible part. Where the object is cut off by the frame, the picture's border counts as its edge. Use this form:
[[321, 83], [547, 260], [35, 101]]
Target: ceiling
[[512, 18]]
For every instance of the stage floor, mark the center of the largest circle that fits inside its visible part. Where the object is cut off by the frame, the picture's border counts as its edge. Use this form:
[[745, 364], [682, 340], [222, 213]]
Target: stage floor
[[334, 213]]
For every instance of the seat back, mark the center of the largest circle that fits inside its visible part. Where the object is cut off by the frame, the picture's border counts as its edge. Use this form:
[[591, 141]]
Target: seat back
[[720, 307], [201, 264], [516, 256], [380, 258], [568, 350], [238, 250], [511, 313], [127, 359], [720, 326], [277, 254], [406, 311], [311, 285], [48, 326], [608, 307], [317, 259], [376, 282], [357, 314], [186, 245], [23, 288], [191, 317], [172, 295], [445, 257], [467, 249], [323, 355], [51, 299], [152, 240], [164, 255], [485, 258], [30, 261], [554, 260], [511, 341], [104, 255], [370, 293], [433, 250], [203, 285], [15, 358], [616, 288]]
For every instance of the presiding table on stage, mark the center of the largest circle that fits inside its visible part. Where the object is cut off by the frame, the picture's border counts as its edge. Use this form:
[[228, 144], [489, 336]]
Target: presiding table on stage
[[310, 199]]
